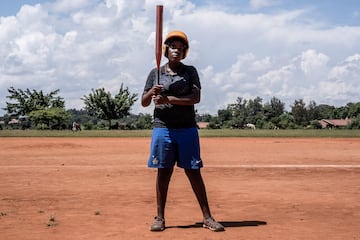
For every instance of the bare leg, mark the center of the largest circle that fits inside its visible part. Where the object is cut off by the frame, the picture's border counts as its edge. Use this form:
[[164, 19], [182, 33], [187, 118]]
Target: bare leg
[[162, 186], [198, 186]]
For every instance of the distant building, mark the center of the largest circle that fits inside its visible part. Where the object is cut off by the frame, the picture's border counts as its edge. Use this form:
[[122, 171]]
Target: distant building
[[334, 123], [202, 125], [14, 121]]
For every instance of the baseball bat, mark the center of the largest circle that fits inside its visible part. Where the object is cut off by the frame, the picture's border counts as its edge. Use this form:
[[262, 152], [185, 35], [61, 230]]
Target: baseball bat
[[158, 42]]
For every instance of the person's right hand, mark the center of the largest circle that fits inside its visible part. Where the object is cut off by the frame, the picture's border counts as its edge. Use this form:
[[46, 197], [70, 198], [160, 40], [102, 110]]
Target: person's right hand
[[156, 90]]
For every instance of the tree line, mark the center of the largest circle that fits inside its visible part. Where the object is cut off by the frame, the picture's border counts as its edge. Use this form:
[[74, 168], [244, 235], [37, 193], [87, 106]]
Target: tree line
[[38, 110], [272, 114]]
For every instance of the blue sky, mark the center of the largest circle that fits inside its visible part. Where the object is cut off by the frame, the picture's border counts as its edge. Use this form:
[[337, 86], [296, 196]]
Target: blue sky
[[242, 48], [333, 11], [11, 7]]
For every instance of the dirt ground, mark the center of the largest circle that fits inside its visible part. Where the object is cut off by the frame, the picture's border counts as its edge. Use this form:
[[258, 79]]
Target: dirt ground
[[101, 188]]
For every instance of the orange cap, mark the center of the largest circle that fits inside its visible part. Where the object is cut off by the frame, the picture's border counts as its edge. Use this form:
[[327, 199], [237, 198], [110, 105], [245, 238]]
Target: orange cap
[[176, 34]]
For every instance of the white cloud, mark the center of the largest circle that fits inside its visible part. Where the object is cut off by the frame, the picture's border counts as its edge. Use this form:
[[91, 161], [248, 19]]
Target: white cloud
[[343, 80], [257, 4], [79, 45], [348, 70], [312, 62], [69, 5], [276, 82]]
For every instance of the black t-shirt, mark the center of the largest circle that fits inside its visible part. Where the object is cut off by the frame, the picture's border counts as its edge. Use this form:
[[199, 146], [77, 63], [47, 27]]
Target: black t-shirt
[[181, 84]]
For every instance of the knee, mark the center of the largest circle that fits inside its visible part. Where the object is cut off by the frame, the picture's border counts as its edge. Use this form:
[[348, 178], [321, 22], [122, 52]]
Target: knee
[[165, 173], [191, 173]]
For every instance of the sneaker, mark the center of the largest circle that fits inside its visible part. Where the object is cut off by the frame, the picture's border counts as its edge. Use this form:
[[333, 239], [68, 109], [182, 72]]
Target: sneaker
[[213, 225], [158, 225]]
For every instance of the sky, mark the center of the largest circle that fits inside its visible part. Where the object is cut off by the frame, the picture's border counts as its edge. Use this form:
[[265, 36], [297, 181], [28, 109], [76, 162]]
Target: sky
[[245, 49]]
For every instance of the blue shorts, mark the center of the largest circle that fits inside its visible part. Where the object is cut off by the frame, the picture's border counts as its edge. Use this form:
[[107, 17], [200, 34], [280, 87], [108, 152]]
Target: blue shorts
[[175, 145]]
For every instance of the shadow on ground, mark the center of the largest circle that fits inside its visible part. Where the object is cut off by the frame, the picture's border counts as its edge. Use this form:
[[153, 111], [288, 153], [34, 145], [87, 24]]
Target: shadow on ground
[[226, 224]]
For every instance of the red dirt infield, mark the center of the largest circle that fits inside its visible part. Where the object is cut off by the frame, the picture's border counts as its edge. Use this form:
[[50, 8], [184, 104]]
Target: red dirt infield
[[101, 188]]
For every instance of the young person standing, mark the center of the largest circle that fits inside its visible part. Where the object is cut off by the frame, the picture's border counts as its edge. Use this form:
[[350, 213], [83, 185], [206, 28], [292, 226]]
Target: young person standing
[[175, 138]]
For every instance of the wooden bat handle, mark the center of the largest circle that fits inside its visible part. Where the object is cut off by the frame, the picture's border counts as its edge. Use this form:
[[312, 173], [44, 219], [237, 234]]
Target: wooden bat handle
[[158, 43]]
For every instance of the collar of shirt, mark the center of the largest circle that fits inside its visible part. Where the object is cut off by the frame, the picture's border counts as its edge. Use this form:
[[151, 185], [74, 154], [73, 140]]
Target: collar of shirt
[[166, 70]]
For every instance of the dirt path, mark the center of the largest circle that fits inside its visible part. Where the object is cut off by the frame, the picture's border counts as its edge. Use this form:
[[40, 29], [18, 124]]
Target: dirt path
[[100, 188]]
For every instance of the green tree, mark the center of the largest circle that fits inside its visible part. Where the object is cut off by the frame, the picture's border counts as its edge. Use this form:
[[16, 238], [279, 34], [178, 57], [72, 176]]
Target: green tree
[[82, 117], [315, 124], [238, 113], [255, 110], [299, 113], [224, 117], [355, 123], [341, 112], [326, 111], [203, 117], [24, 102], [286, 120], [312, 112], [273, 110], [214, 123], [102, 105], [354, 110], [50, 118], [141, 121]]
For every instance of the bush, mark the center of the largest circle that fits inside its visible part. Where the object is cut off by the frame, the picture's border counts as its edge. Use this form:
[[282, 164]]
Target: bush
[[315, 124], [355, 123], [268, 125]]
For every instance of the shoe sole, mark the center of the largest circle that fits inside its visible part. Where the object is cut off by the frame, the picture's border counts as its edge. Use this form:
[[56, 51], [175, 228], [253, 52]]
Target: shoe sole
[[213, 229], [157, 229]]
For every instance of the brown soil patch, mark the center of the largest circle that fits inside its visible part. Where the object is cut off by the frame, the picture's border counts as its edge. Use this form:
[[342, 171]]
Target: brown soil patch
[[100, 188]]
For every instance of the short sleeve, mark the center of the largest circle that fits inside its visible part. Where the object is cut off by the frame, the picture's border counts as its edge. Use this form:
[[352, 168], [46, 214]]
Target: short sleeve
[[150, 80]]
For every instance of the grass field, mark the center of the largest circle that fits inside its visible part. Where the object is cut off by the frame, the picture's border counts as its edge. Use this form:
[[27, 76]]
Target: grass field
[[203, 133]]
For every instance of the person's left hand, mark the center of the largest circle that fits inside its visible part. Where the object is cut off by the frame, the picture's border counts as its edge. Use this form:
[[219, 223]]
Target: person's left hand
[[160, 99]]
